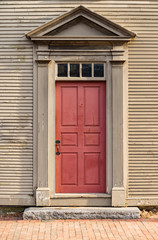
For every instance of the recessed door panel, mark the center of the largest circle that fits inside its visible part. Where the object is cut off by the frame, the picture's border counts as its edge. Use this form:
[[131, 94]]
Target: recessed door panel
[[91, 105], [80, 128], [69, 171], [69, 139], [91, 139], [92, 168], [69, 106]]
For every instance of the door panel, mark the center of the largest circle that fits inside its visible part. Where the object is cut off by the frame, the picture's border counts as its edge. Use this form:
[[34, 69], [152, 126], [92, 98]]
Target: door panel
[[91, 168], [69, 171], [80, 127], [69, 97], [91, 106]]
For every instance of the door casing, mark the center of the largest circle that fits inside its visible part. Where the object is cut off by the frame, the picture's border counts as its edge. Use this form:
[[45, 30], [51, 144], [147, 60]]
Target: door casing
[[46, 117]]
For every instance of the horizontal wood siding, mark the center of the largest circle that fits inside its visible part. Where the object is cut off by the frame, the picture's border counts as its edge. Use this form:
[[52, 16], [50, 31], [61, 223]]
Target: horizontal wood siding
[[16, 105], [16, 92]]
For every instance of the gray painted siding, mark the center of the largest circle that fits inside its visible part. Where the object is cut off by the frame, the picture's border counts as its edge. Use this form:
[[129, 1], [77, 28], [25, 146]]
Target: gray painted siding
[[16, 164], [16, 93]]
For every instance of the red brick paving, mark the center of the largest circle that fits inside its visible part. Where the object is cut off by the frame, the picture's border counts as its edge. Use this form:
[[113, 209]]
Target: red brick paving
[[141, 229]]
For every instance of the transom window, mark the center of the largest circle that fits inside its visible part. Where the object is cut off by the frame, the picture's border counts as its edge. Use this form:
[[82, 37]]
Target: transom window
[[80, 70]]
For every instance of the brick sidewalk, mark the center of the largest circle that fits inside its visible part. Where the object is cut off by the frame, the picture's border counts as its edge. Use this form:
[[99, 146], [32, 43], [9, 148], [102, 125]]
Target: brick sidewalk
[[79, 229]]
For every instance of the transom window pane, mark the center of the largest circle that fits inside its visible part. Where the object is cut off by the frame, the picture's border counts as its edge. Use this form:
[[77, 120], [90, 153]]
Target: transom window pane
[[62, 70], [86, 70], [80, 70], [99, 70], [74, 70]]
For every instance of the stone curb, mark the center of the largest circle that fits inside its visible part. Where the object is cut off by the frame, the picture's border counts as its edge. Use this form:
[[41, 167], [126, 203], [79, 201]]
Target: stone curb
[[48, 213]]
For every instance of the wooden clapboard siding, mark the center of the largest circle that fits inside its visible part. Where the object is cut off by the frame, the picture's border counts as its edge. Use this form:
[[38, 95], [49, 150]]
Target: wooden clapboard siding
[[16, 88], [143, 106], [16, 107]]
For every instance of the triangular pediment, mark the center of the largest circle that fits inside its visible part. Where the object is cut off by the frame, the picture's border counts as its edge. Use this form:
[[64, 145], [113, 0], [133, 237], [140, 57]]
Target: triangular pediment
[[81, 29], [80, 23]]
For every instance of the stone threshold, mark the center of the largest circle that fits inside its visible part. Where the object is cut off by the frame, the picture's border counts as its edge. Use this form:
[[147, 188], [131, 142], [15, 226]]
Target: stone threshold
[[48, 213]]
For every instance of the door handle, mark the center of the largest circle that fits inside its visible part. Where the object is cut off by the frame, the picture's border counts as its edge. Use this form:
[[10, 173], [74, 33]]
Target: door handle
[[57, 144]]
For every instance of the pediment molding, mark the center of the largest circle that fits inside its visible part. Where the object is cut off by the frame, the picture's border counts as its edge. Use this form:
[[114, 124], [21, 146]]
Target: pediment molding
[[80, 24]]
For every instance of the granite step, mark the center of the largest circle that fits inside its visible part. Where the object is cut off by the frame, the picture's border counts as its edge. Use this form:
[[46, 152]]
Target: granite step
[[48, 213]]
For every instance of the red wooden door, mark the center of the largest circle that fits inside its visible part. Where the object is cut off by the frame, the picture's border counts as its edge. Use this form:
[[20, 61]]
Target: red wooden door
[[80, 127]]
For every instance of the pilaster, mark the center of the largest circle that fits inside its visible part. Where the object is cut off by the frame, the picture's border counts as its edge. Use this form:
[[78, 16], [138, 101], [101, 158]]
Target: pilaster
[[118, 190], [42, 191]]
